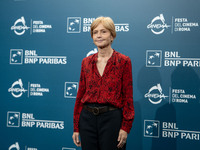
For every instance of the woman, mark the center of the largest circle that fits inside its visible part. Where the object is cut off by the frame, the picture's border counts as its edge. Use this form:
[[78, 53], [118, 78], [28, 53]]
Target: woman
[[104, 111]]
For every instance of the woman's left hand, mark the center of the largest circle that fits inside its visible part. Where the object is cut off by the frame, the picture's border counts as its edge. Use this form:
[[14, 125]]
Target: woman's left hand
[[122, 138]]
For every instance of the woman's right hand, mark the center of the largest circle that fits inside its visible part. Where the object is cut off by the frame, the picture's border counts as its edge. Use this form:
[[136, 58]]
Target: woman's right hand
[[75, 138]]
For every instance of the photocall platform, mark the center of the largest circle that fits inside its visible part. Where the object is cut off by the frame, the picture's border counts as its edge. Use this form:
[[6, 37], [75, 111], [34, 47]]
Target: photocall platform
[[43, 43]]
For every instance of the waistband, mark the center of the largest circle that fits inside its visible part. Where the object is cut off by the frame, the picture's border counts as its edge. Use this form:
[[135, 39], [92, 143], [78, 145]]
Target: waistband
[[97, 105], [97, 109]]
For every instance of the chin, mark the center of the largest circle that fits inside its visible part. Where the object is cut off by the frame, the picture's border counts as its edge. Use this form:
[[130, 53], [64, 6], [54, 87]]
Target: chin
[[102, 45]]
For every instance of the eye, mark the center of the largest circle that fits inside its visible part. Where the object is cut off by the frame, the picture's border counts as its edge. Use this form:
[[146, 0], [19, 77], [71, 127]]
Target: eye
[[94, 32], [104, 31]]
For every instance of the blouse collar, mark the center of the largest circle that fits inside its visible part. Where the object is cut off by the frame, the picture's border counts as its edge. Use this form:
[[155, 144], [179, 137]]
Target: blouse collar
[[109, 60]]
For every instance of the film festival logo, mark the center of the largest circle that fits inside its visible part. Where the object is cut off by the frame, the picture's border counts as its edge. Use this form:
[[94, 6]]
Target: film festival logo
[[20, 26], [73, 24], [71, 89], [92, 52], [155, 94], [158, 25], [153, 58], [151, 128], [17, 147], [17, 89], [14, 146], [179, 24], [34, 89], [13, 119], [183, 24]]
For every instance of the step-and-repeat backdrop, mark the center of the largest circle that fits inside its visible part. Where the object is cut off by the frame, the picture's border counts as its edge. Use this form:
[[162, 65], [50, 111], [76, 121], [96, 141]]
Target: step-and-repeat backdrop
[[43, 43]]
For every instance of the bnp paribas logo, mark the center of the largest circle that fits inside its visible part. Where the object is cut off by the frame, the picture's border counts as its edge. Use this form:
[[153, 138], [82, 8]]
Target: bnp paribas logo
[[16, 56], [153, 58], [71, 89], [151, 128], [13, 119], [73, 24]]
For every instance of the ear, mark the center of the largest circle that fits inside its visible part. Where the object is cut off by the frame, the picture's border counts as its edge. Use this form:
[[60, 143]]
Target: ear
[[111, 37]]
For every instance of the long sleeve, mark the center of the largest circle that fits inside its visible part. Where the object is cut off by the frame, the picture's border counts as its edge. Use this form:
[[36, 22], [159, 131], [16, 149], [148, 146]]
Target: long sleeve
[[78, 104], [127, 97]]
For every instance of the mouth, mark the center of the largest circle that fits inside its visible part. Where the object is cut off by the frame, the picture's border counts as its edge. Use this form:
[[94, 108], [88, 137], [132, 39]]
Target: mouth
[[99, 41]]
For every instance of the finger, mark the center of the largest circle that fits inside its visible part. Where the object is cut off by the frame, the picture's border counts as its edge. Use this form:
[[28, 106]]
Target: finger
[[78, 143], [120, 145], [74, 140], [119, 137], [77, 138], [122, 142]]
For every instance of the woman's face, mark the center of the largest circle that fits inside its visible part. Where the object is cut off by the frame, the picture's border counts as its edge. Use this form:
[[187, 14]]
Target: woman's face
[[102, 37]]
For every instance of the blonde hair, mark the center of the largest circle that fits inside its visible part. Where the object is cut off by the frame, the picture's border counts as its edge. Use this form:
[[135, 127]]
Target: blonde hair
[[107, 22]]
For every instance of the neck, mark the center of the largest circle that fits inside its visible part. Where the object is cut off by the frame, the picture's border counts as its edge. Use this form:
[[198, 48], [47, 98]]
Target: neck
[[105, 52]]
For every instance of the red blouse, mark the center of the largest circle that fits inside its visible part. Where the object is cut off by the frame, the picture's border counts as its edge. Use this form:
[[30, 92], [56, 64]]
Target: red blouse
[[115, 87]]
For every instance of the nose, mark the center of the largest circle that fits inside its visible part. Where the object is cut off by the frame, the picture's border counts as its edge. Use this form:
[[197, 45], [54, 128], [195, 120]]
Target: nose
[[99, 34]]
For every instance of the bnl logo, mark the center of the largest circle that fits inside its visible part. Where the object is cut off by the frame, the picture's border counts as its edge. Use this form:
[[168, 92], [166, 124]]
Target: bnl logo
[[151, 128], [153, 58], [71, 89], [73, 24], [13, 119], [16, 56]]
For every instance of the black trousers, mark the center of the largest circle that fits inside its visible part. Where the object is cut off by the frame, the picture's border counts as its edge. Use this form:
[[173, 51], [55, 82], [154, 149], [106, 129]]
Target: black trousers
[[100, 132]]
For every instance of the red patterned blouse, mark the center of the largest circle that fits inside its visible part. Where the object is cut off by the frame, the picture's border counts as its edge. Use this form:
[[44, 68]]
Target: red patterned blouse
[[114, 87]]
